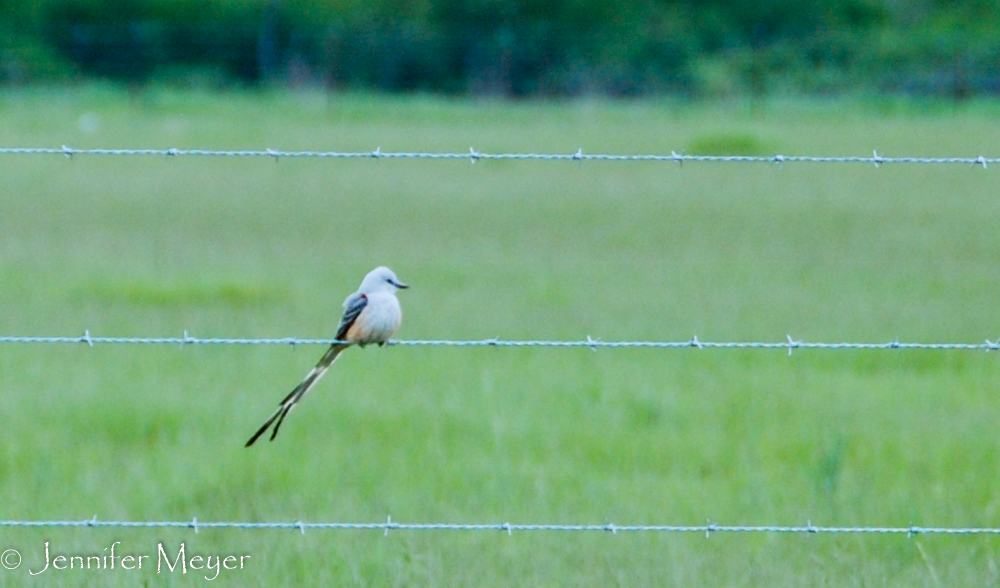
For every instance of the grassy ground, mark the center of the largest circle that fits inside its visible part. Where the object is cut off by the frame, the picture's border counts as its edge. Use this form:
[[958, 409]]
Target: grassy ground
[[627, 251]]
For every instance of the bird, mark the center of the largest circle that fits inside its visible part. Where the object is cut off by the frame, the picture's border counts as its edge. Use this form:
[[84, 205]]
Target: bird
[[371, 315]]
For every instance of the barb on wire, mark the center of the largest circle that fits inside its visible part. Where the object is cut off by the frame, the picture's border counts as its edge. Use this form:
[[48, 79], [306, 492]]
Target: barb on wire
[[474, 156], [589, 343], [510, 528]]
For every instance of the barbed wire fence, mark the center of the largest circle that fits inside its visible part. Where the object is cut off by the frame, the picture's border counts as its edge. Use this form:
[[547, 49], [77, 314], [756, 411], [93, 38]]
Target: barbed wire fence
[[474, 156], [790, 344], [510, 528], [591, 343]]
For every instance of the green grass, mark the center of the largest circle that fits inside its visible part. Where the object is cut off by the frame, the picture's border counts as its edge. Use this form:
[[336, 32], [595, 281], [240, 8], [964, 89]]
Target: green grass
[[141, 246]]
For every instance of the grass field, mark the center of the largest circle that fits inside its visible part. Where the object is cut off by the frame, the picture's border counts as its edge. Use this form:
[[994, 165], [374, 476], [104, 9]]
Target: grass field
[[622, 251]]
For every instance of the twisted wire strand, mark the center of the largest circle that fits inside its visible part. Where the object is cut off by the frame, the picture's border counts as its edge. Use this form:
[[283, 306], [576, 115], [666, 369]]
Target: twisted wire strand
[[591, 343], [473, 155], [509, 528]]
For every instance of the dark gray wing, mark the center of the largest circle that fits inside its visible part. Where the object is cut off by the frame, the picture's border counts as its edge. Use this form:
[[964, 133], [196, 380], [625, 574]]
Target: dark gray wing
[[353, 306]]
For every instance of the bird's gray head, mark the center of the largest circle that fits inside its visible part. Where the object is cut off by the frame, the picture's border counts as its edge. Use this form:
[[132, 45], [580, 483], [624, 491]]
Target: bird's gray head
[[381, 279]]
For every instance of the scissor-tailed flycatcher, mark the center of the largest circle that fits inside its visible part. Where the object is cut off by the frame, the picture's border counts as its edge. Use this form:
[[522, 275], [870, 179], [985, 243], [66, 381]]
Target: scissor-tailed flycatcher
[[371, 315]]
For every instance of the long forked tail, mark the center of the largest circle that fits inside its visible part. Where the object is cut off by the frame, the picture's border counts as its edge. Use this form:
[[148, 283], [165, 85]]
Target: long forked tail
[[310, 380]]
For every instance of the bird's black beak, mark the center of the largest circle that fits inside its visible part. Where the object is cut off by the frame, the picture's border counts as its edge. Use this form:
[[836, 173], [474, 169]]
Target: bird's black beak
[[400, 285]]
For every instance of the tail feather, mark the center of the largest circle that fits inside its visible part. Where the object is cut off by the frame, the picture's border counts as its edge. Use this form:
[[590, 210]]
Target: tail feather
[[286, 405]]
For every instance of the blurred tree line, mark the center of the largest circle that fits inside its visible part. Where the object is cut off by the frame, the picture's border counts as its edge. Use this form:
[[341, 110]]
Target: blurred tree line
[[514, 47]]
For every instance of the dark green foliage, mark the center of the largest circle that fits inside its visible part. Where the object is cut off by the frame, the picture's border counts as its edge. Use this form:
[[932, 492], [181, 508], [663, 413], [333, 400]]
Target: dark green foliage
[[521, 48]]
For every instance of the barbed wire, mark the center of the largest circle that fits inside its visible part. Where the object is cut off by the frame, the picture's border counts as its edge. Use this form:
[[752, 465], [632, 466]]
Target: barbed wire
[[509, 528], [473, 155], [594, 344]]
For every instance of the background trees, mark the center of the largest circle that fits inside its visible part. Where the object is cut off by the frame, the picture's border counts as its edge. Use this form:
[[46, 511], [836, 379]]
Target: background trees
[[514, 48]]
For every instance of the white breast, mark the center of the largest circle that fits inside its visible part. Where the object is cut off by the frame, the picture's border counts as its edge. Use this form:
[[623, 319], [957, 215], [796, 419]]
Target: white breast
[[380, 319]]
